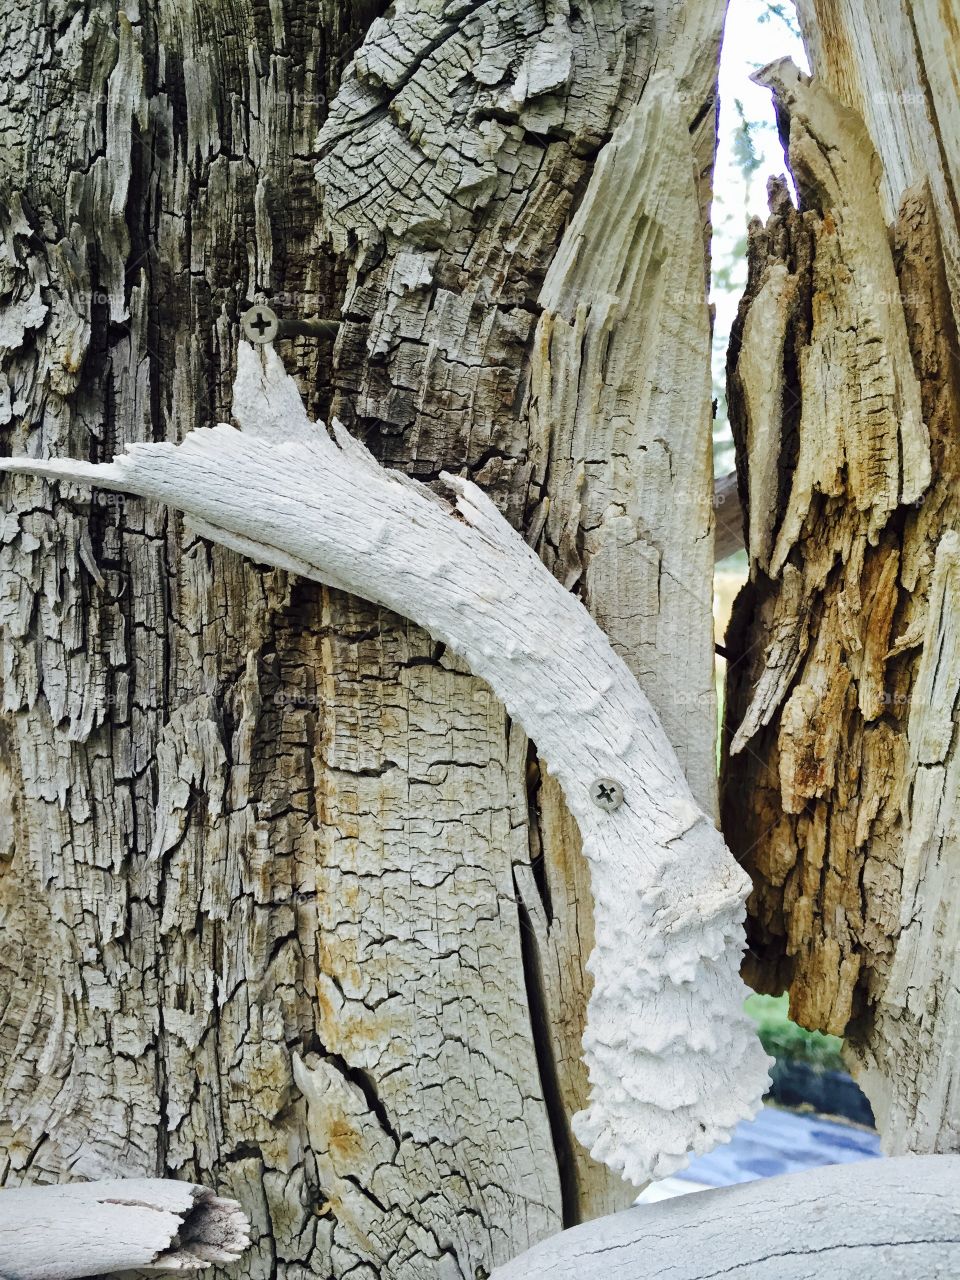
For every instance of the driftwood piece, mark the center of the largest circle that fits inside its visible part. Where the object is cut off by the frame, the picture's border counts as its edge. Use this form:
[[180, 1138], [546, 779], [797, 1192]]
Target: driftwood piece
[[674, 1064], [97, 1228], [881, 1218]]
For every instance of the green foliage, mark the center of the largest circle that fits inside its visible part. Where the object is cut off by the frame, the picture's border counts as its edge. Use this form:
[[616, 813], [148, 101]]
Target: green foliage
[[728, 271], [782, 12], [784, 1039], [745, 153]]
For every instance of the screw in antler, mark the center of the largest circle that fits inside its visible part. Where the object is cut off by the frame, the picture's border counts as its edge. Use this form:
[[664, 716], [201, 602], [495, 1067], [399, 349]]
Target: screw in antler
[[606, 794], [260, 324]]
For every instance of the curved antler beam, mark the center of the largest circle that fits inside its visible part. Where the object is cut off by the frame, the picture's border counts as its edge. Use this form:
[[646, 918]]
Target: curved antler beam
[[673, 1061]]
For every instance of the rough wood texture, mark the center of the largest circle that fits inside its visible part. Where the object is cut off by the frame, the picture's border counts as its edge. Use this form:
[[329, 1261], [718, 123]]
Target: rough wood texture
[[899, 74], [620, 392], [475, 129], [156, 169], [891, 1217], [96, 1228], [233, 790], [841, 777], [674, 1062]]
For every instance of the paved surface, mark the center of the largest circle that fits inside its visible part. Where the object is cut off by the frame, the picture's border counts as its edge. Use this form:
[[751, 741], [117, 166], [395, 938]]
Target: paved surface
[[776, 1142]]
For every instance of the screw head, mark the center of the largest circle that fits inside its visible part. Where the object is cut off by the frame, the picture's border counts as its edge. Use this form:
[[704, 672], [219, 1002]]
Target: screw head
[[606, 793], [260, 324]]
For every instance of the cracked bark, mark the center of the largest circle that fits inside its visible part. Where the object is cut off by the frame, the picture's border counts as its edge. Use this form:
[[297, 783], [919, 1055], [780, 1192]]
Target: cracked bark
[[254, 818], [840, 778]]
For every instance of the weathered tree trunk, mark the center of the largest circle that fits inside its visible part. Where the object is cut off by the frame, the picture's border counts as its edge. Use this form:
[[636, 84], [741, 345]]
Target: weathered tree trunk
[[254, 820], [842, 781]]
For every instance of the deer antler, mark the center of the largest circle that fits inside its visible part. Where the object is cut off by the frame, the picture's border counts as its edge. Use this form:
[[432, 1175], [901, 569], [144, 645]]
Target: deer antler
[[673, 1062]]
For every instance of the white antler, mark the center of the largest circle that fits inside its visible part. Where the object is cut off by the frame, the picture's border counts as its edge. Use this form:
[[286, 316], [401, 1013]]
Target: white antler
[[673, 1061], [101, 1228]]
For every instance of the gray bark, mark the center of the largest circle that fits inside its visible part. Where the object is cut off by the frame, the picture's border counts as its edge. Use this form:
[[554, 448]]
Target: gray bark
[[253, 819], [728, 534]]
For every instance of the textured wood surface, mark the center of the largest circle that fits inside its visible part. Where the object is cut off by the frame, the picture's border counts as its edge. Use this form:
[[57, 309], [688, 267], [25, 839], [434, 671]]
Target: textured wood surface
[[841, 780], [232, 791]]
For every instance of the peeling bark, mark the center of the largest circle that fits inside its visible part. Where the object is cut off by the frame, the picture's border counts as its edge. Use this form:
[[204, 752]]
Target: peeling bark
[[234, 790], [839, 781]]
